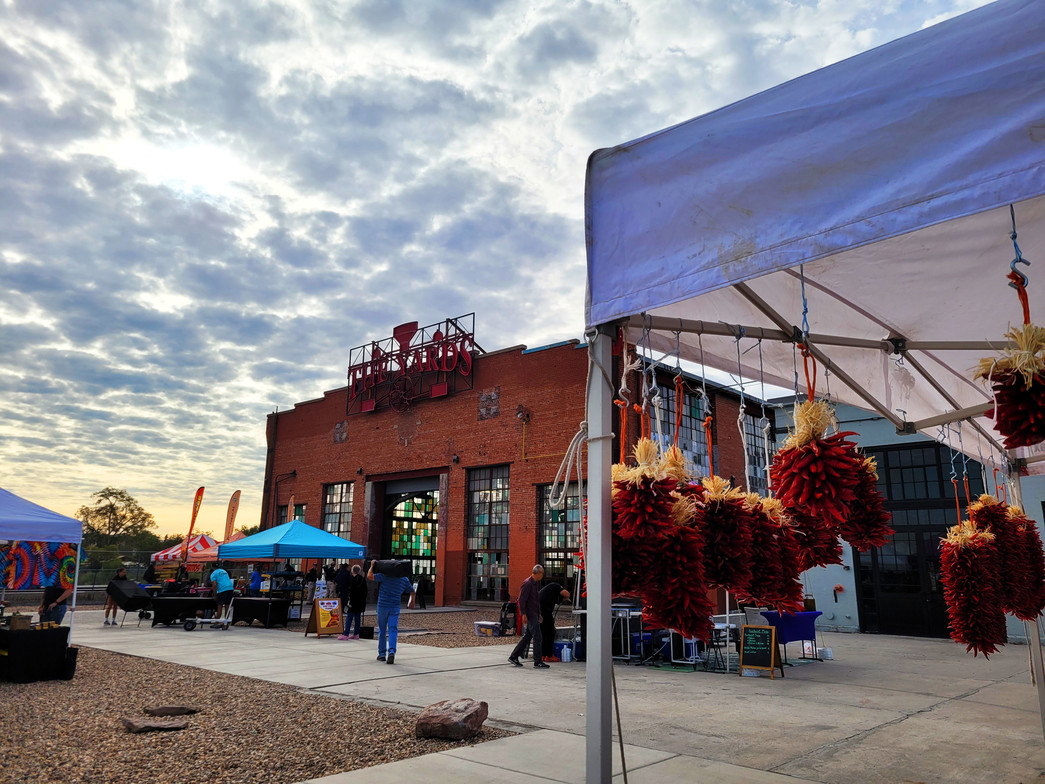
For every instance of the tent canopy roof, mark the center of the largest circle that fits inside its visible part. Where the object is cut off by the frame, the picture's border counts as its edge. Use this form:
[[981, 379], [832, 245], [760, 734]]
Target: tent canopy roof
[[292, 540], [211, 553], [25, 521], [887, 176], [197, 543]]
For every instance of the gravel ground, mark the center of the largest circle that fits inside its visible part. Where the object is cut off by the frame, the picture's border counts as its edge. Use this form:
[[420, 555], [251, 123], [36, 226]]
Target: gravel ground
[[70, 731]]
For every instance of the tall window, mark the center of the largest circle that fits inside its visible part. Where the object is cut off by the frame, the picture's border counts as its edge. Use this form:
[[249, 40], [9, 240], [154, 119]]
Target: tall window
[[488, 533], [755, 434], [337, 508], [559, 535], [692, 440], [282, 513]]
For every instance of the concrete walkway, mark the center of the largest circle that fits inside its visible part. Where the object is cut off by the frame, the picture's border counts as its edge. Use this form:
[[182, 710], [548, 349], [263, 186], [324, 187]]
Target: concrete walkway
[[886, 709]]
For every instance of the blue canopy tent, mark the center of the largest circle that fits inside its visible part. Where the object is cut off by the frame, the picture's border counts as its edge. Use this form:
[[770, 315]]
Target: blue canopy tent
[[24, 521], [863, 207], [291, 540]]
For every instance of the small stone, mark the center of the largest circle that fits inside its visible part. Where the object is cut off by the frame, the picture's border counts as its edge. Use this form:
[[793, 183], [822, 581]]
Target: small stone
[[135, 724], [170, 710], [453, 719]]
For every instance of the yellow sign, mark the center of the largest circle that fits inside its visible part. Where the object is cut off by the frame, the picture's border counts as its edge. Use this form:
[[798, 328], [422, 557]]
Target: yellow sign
[[326, 618]]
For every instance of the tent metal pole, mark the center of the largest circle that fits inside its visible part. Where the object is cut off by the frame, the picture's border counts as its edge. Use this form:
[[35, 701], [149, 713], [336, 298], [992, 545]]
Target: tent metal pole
[[846, 379], [1031, 629], [598, 719], [76, 588], [689, 326], [951, 401], [789, 333], [948, 417]]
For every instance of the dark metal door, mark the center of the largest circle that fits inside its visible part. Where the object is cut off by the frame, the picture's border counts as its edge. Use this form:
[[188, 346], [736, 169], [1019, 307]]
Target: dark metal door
[[900, 586]]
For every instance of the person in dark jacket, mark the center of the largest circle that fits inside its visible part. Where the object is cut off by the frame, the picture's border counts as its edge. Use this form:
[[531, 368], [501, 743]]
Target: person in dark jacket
[[549, 597], [110, 596], [353, 599], [530, 607]]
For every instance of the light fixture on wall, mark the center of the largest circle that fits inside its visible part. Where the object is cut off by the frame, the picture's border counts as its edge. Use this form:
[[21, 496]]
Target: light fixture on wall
[[455, 459], [359, 471], [523, 413]]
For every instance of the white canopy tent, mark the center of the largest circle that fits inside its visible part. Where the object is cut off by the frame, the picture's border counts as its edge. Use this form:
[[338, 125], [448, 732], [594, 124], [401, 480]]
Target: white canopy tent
[[881, 187]]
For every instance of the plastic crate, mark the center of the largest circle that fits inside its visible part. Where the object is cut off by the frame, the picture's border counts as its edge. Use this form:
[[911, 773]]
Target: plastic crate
[[487, 629]]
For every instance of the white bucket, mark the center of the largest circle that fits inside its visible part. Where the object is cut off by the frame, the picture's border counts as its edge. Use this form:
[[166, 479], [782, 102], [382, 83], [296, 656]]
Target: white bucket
[[826, 654], [567, 653]]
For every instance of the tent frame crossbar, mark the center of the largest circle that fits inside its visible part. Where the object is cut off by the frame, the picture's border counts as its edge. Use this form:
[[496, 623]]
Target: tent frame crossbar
[[789, 333], [792, 334]]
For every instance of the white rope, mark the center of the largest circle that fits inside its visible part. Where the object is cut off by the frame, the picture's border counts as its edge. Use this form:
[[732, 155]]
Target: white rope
[[740, 423]]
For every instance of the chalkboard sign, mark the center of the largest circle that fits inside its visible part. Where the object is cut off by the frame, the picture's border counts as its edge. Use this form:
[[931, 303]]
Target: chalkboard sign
[[759, 649]]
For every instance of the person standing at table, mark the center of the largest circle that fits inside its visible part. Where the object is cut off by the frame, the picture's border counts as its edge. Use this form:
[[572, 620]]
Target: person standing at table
[[549, 597], [52, 606], [390, 592], [223, 589], [110, 596], [149, 578], [254, 588], [530, 607]]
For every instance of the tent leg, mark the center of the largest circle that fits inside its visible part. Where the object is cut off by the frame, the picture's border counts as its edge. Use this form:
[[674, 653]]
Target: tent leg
[[76, 589], [599, 727], [1037, 668]]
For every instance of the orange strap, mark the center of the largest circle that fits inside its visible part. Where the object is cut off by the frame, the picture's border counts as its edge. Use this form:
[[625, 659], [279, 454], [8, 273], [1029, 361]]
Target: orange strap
[[957, 504], [644, 420], [623, 428], [1021, 290], [707, 432], [809, 360], [968, 498], [678, 409]]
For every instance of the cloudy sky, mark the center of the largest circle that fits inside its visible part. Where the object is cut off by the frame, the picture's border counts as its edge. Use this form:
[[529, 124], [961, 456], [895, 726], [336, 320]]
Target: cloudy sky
[[205, 205]]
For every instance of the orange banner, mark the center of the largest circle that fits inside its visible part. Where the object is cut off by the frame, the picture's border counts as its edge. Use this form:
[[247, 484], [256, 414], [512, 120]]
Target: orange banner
[[230, 518], [290, 509], [192, 523]]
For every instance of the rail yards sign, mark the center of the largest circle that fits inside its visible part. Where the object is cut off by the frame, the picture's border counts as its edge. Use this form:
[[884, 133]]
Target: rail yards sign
[[416, 363]]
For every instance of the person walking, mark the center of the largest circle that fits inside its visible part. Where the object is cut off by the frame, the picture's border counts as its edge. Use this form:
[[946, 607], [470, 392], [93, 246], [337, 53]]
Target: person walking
[[529, 606], [390, 592], [549, 598]]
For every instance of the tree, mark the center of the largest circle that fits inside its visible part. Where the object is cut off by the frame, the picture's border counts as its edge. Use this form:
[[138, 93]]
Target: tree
[[113, 519], [250, 530]]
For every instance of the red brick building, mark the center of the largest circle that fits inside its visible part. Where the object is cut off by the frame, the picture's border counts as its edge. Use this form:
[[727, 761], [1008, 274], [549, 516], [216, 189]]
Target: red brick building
[[458, 481]]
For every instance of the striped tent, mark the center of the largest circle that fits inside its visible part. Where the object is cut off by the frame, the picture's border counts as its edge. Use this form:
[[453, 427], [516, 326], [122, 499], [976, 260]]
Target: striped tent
[[196, 543], [208, 554]]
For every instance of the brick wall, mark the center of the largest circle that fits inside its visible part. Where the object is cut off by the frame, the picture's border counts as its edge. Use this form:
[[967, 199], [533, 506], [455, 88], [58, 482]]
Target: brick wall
[[324, 446]]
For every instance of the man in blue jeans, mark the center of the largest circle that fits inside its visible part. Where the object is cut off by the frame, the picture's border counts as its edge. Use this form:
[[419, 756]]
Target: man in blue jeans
[[390, 592]]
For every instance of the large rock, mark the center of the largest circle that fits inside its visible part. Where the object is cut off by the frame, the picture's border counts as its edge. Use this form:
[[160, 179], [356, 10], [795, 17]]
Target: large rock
[[135, 724], [453, 719], [170, 710]]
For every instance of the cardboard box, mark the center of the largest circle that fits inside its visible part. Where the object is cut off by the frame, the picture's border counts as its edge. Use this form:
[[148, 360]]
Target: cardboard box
[[487, 629]]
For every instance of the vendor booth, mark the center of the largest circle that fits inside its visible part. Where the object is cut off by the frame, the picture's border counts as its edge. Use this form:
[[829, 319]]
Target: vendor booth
[[863, 219], [290, 540], [210, 554], [31, 654], [197, 543]]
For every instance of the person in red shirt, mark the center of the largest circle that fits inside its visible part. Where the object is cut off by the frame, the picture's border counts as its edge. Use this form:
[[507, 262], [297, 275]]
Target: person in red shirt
[[530, 607]]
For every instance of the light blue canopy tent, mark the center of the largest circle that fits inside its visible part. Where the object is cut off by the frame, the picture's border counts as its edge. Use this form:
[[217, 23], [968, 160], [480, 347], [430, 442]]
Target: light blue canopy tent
[[869, 199], [24, 521], [292, 540]]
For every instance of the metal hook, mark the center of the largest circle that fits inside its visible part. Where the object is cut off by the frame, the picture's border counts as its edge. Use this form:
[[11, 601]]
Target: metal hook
[[1019, 255]]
